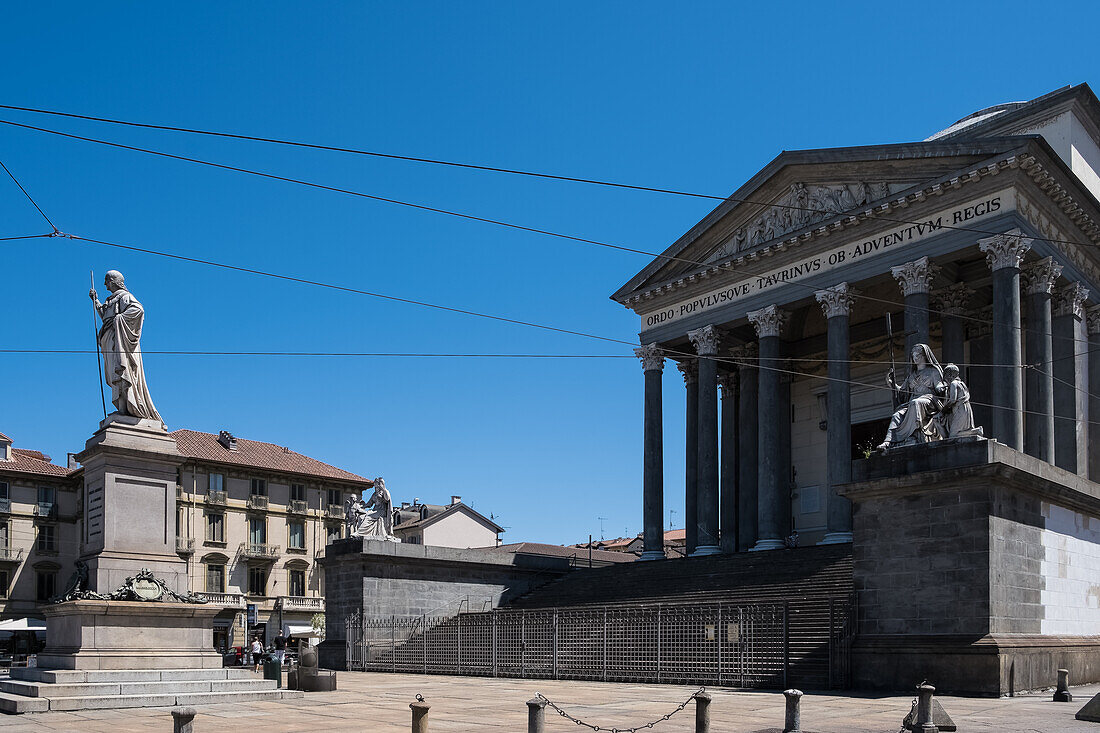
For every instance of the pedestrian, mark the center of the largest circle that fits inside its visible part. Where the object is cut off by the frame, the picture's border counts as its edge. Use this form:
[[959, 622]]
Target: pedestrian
[[280, 647], [257, 652]]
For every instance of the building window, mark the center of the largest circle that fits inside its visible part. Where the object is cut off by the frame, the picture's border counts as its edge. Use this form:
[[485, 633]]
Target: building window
[[257, 531], [5, 579], [47, 495], [3, 490], [215, 578], [297, 492], [5, 535], [332, 533], [258, 487], [45, 584], [215, 482], [47, 538], [257, 581], [215, 527], [296, 535], [297, 582], [334, 497]]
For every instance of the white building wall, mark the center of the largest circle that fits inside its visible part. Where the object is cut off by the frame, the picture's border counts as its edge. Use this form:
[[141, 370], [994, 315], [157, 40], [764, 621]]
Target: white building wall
[[459, 530], [1070, 572]]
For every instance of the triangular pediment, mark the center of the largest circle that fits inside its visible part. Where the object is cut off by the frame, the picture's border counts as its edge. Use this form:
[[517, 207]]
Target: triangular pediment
[[800, 190]]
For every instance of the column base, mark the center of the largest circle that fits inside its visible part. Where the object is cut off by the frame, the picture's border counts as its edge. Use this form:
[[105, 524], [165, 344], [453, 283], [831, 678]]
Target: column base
[[768, 544], [652, 555], [837, 538], [704, 550]]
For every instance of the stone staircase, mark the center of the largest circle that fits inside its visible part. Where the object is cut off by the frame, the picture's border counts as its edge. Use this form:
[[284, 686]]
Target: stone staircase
[[35, 690]]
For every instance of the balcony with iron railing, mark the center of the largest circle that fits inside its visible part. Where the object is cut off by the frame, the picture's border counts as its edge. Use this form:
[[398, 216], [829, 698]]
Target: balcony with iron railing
[[185, 545], [5, 505], [11, 554], [297, 506], [257, 501], [229, 600], [45, 510], [259, 551], [216, 497], [334, 511], [309, 604]]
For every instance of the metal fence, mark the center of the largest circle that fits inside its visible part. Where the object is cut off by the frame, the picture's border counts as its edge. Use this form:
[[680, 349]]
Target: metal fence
[[726, 644]]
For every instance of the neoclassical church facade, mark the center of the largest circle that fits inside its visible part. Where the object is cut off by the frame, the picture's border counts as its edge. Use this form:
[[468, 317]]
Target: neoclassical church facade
[[785, 308]]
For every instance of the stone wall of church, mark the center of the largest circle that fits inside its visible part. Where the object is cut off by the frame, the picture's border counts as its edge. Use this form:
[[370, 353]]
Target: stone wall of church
[[1069, 561]]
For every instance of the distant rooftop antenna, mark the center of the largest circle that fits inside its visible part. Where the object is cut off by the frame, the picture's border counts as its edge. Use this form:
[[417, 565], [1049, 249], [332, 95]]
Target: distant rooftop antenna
[[670, 513], [602, 520]]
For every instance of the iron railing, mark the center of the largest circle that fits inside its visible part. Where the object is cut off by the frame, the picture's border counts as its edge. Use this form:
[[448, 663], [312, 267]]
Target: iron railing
[[737, 645]]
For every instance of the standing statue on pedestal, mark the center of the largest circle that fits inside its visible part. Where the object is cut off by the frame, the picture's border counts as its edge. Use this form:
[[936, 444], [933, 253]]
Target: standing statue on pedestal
[[372, 519], [120, 344], [921, 395], [956, 418]]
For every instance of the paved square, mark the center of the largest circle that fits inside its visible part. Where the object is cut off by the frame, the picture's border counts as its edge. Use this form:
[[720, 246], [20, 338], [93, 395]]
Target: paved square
[[380, 703]]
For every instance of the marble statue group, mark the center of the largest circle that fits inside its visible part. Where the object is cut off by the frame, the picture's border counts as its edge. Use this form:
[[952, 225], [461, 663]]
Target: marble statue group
[[934, 403], [373, 518]]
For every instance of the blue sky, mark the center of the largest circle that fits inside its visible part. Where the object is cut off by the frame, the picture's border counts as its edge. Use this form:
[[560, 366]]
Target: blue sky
[[684, 96]]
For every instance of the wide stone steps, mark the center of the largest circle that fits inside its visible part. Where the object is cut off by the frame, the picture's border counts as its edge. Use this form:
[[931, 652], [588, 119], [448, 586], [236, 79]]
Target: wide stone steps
[[39, 690]]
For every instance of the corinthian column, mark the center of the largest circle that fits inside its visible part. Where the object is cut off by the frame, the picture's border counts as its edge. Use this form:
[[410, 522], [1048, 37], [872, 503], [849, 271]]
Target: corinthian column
[[836, 302], [1038, 279], [915, 280], [952, 303], [1092, 320], [748, 446], [774, 498], [690, 370], [727, 472], [706, 341], [653, 470], [1071, 379], [1004, 253]]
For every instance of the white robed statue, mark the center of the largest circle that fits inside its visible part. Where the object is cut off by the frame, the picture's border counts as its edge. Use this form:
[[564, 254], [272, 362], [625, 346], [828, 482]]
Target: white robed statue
[[922, 397], [373, 518], [120, 343]]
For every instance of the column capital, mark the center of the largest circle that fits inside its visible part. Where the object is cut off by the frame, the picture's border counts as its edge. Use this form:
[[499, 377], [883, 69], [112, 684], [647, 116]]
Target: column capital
[[748, 355], [653, 359], [1070, 300], [728, 382], [1005, 250], [1092, 318], [768, 320], [952, 300], [837, 300], [705, 340], [915, 277], [1038, 277], [690, 370]]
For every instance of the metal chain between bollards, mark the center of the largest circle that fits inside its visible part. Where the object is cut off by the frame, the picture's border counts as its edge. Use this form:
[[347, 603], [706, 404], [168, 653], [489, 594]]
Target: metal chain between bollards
[[635, 729]]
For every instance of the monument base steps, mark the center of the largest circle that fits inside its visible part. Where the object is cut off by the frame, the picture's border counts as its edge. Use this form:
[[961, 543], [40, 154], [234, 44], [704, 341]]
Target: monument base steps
[[32, 690]]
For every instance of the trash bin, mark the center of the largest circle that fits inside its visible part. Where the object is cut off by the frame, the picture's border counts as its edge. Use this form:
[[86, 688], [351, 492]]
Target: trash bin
[[273, 670]]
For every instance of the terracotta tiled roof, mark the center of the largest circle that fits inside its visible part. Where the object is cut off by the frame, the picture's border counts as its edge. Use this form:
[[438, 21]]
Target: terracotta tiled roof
[[444, 511], [4, 437], [255, 454], [34, 462], [673, 535], [537, 548]]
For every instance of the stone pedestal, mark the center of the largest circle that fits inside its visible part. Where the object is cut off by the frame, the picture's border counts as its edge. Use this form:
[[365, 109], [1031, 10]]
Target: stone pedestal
[[130, 468], [129, 635]]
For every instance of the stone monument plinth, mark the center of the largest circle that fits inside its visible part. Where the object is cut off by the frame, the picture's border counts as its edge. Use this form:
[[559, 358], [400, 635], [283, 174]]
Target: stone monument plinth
[[130, 468], [96, 634]]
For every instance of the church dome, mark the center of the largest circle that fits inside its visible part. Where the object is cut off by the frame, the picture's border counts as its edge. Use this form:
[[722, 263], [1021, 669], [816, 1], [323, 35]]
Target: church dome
[[980, 116]]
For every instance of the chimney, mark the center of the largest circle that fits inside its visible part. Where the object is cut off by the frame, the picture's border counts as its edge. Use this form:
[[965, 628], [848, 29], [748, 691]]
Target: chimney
[[73, 463], [404, 505], [226, 439], [416, 501], [455, 499]]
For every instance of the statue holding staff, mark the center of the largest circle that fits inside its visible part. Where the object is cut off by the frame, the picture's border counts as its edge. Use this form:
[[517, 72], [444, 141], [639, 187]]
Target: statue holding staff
[[120, 344], [921, 397]]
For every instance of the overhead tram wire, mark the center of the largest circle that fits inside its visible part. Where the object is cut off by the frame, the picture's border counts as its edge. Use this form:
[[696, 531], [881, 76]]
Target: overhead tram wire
[[545, 232], [29, 198], [368, 354]]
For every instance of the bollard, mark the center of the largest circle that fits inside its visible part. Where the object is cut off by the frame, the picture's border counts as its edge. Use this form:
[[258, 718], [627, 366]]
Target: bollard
[[923, 723], [1062, 693], [536, 715], [419, 715], [702, 712], [183, 720], [792, 722]]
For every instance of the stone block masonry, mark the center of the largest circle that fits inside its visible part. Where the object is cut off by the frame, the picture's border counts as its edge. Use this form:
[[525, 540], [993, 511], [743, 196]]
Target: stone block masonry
[[975, 567]]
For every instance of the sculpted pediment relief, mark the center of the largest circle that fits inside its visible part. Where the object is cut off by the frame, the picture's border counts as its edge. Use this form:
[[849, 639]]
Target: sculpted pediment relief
[[802, 205]]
